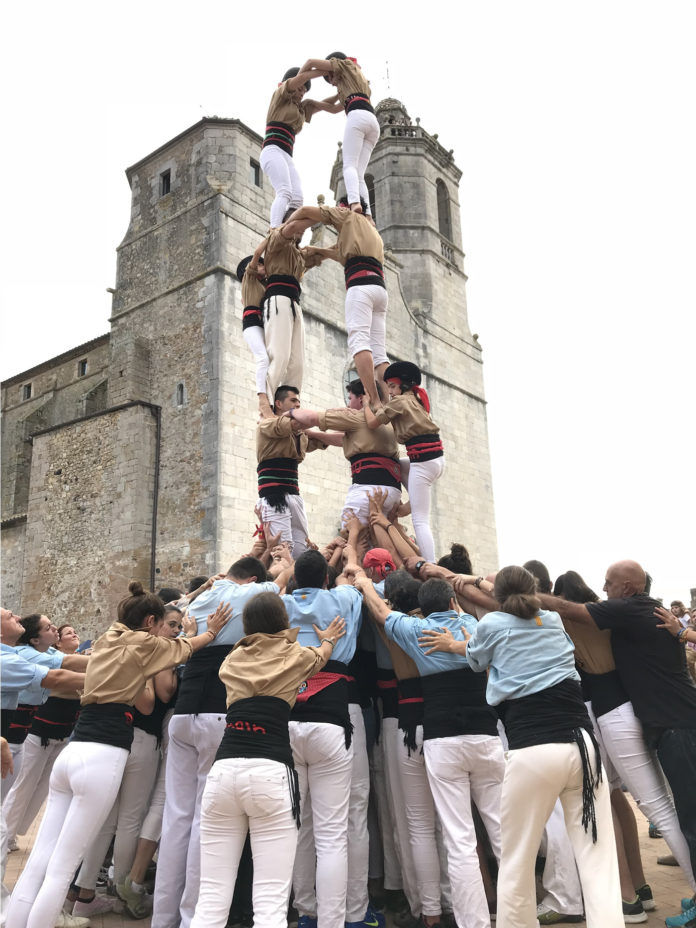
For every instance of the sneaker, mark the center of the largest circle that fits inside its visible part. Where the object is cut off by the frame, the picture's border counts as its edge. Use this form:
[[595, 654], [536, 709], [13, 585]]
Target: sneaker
[[12, 845], [633, 912], [372, 920], [688, 902], [653, 831], [96, 906], [66, 920], [133, 901], [668, 860], [548, 916], [645, 895], [686, 916], [307, 921]]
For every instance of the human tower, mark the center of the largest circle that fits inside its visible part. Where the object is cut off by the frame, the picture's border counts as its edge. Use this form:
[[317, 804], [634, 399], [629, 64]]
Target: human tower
[[274, 330]]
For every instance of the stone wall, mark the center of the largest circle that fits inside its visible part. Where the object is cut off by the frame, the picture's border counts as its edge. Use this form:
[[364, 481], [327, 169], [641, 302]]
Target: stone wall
[[13, 533], [89, 519], [59, 393]]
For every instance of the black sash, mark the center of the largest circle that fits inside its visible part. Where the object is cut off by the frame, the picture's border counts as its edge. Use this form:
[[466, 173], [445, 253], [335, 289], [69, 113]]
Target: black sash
[[328, 701], [21, 723], [280, 134], [375, 470], [201, 689], [55, 720], [278, 478], [455, 704], [424, 448], [410, 709], [363, 271], [106, 723], [357, 101]]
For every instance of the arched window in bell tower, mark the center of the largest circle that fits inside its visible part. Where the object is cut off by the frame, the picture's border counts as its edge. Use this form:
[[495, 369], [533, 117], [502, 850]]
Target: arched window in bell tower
[[370, 181], [444, 216]]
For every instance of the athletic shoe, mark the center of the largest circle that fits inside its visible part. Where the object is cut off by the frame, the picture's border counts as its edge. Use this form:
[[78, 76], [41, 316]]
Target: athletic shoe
[[669, 860], [645, 895], [306, 921], [633, 912], [133, 901], [66, 920], [548, 916], [687, 902], [12, 845], [686, 916], [372, 920], [653, 831], [96, 906]]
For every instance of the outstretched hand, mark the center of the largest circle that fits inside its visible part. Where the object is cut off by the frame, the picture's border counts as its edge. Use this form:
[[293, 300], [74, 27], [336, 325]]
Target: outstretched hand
[[218, 619], [669, 621], [442, 639], [335, 629]]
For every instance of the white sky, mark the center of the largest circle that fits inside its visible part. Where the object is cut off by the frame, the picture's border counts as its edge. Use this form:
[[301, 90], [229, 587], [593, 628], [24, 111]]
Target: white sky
[[574, 127]]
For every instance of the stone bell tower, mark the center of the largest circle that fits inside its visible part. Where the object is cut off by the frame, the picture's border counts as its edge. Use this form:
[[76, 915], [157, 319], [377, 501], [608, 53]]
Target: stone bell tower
[[413, 184]]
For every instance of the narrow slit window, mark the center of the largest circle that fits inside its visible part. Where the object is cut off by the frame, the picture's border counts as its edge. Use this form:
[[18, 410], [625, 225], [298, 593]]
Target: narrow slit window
[[165, 183], [254, 172], [180, 394], [82, 368], [26, 391]]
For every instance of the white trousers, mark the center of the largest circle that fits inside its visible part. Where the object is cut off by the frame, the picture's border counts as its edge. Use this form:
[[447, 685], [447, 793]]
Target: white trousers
[[534, 778], [324, 767], [284, 333], [17, 752], [357, 899], [30, 788], [193, 744], [560, 877], [84, 784], [359, 139], [366, 321], [282, 173], [390, 864], [429, 860], [390, 741], [126, 815], [256, 342], [461, 770], [246, 794], [418, 478], [641, 772], [291, 524], [358, 501], [151, 829]]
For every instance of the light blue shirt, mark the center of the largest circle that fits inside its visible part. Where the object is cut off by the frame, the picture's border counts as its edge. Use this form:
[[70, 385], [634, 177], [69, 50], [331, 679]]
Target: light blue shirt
[[230, 593], [52, 659], [405, 630], [312, 606], [17, 675], [524, 656]]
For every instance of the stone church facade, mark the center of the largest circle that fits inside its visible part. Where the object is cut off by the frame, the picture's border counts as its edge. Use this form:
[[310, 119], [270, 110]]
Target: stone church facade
[[133, 456]]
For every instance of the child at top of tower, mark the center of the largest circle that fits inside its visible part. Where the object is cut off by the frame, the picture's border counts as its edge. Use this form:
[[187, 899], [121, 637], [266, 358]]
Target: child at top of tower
[[362, 128], [287, 114], [408, 410]]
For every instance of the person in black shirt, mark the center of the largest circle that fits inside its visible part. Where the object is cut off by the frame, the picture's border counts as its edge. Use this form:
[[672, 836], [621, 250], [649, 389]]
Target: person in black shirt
[[652, 669]]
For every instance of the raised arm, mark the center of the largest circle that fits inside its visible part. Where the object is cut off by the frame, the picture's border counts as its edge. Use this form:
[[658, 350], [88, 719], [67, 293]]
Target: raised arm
[[253, 265], [569, 612], [378, 607], [301, 220]]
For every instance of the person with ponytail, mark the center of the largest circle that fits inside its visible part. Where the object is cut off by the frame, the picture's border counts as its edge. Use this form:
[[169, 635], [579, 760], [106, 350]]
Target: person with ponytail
[[533, 683], [253, 785], [408, 410], [362, 128], [87, 775]]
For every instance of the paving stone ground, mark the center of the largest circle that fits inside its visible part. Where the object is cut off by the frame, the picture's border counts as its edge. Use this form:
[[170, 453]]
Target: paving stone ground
[[668, 883]]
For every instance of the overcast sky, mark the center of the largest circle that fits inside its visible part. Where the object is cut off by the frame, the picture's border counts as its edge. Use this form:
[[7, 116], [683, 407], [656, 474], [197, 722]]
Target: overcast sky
[[573, 125]]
